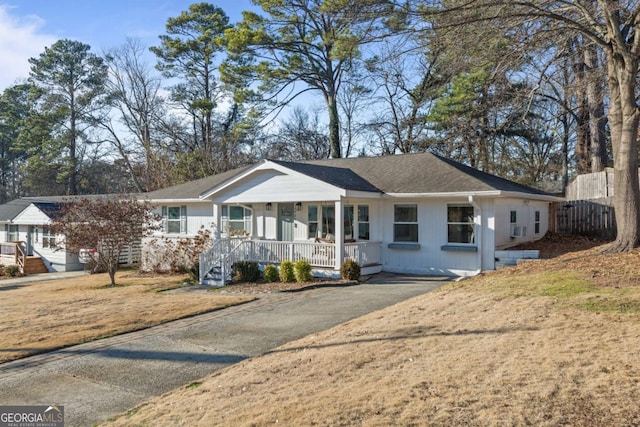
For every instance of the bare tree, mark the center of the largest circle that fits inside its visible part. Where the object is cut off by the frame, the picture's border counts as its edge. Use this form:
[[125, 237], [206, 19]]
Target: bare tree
[[107, 225], [134, 91]]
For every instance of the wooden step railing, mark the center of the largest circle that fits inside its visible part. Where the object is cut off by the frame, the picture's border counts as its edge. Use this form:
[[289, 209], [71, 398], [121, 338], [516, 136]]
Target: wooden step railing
[[14, 252]]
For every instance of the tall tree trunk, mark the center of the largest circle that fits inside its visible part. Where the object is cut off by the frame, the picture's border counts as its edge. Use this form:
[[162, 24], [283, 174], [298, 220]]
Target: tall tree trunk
[[595, 100], [334, 126], [72, 188], [623, 122], [583, 142]]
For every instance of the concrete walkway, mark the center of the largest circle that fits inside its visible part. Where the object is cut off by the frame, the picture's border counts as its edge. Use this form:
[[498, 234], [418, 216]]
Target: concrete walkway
[[97, 380], [33, 278]]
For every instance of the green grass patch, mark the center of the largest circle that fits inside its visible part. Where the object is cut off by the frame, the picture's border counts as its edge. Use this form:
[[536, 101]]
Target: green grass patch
[[559, 284], [617, 301], [194, 384], [570, 288]]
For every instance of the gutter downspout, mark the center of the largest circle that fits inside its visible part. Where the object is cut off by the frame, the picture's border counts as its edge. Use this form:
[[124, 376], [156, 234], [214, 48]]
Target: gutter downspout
[[478, 231]]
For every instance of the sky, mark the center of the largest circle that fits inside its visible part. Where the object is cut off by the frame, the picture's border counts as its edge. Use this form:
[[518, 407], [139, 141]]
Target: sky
[[28, 26]]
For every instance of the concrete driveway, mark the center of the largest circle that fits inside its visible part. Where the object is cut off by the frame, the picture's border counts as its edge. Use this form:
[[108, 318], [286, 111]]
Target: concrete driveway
[[97, 380]]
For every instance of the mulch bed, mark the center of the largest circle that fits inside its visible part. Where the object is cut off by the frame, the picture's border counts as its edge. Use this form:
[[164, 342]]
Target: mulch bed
[[264, 287], [553, 245]]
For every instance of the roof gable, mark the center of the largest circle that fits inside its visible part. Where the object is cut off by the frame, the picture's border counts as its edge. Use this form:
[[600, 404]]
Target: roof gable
[[343, 178], [193, 189]]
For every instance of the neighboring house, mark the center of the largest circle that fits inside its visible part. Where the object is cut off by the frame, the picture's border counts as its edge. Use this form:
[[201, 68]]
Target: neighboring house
[[413, 213], [24, 222], [25, 238]]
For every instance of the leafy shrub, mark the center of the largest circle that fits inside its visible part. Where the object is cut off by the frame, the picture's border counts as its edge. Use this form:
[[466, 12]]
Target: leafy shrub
[[1, 269], [11, 270], [287, 273], [302, 271], [194, 272], [350, 270], [245, 271], [270, 273]]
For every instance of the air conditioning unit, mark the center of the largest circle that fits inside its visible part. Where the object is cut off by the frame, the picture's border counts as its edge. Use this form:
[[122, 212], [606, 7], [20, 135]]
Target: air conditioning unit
[[516, 231]]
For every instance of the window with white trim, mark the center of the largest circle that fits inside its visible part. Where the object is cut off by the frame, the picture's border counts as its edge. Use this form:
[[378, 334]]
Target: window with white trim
[[328, 222], [405, 223], [348, 222], [536, 223], [174, 219], [13, 233], [460, 224], [363, 222], [312, 221], [236, 220], [48, 238]]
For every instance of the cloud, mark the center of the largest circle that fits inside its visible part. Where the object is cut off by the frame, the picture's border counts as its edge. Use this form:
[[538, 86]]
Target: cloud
[[20, 39]]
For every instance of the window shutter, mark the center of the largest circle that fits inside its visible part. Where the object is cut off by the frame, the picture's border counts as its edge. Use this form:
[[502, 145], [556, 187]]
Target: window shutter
[[183, 219], [164, 219]]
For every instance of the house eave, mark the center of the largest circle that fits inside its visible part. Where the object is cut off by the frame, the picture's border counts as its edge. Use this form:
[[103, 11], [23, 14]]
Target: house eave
[[442, 195], [464, 194], [188, 200]]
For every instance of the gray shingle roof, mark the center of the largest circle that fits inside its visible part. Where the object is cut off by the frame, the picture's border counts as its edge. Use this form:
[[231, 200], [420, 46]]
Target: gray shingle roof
[[420, 173], [424, 173], [338, 176], [193, 189]]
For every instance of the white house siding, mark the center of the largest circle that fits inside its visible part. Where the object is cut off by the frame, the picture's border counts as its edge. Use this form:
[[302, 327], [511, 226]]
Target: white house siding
[[431, 258], [199, 214], [525, 215], [273, 186], [32, 216]]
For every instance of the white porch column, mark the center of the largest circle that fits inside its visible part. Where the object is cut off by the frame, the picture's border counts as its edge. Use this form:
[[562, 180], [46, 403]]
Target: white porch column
[[217, 221], [339, 212]]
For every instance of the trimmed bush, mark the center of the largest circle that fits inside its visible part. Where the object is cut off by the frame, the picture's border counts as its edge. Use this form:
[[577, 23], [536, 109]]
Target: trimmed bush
[[350, 270], [302, 271], [287, 273], [245, 271], [270, 273], [11, 270]]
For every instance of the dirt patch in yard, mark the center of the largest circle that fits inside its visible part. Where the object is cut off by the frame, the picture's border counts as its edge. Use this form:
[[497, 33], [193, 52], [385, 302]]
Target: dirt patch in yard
[[548, 343], [44, 316]]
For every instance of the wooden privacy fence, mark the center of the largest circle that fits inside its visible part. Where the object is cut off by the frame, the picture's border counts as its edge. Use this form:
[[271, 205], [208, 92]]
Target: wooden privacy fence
[[585, 217]]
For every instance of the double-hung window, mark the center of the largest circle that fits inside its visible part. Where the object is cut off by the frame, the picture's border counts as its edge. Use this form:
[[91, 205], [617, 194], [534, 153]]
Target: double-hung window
[[48, 238], [348, 223], [460, 224], [312, 221], [12, 233], [236, 220], [536, 223], [363, 222], [174, 219], [405, 223]]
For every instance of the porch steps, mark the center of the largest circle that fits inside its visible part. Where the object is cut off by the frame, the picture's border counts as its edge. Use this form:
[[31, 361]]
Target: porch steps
[[509, 258], [214, 278], [34, 265]]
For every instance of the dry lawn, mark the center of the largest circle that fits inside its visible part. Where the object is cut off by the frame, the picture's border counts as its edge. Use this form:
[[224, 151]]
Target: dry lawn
[[548, 343], [47, 315]]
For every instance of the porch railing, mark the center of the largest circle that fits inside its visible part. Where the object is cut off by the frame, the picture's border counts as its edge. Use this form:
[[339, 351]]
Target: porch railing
[[225, 252], [13, 252]]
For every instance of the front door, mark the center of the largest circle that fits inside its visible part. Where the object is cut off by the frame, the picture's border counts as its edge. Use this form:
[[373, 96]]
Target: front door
[[285, 222], [30, 232]]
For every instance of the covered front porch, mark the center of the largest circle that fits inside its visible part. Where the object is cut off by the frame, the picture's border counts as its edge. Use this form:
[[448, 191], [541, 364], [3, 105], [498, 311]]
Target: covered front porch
[[215, 264], [273, 213]]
